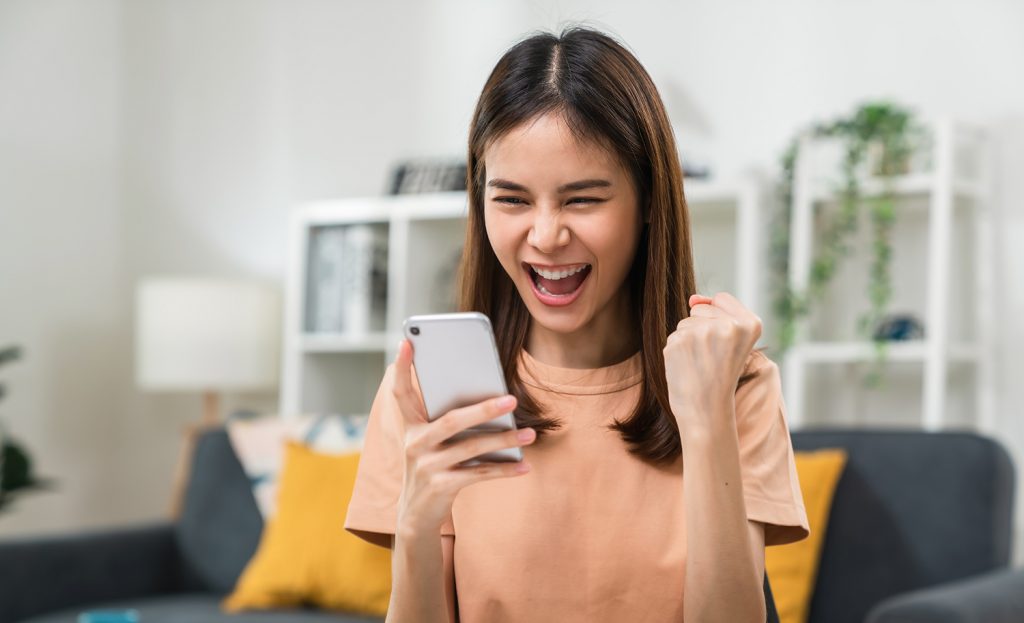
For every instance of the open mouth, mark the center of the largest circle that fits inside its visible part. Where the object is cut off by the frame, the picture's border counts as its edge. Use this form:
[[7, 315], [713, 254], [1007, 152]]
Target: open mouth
[[559, 284]]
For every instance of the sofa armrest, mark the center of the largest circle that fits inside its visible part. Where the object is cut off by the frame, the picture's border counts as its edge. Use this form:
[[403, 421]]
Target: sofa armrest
[[43, 574], [995, 597]]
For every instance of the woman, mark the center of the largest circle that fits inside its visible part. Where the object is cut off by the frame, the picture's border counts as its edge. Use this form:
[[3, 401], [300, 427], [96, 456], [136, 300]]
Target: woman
[[658, 462]]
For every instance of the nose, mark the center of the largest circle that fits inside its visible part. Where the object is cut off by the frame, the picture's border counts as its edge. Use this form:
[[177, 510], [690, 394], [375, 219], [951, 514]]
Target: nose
[[548, 232]]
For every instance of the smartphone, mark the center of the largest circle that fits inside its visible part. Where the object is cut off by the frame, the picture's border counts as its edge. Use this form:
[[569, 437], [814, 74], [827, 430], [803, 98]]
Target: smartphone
[[457, 364]]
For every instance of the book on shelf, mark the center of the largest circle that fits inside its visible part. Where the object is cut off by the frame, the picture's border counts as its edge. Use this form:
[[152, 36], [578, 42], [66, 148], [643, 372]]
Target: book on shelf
[[347, 275]]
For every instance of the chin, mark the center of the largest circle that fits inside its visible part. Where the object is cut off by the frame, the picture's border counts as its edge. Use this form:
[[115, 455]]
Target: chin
[[558, 320]]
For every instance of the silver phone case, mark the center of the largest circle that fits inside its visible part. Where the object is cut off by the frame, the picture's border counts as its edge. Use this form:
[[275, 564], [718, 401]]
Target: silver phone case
[[456, 362]]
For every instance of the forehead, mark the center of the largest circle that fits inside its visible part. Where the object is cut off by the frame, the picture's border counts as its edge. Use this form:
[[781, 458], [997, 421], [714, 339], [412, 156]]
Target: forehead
[[545, 148]]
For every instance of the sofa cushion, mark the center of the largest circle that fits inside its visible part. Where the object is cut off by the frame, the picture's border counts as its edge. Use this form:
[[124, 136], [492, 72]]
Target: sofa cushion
[[793, 567], [303, 557], [201, 608], [220, 525]]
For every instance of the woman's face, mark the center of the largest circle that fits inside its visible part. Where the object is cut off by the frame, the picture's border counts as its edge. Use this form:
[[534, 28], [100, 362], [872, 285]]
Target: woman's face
[[568, 209]]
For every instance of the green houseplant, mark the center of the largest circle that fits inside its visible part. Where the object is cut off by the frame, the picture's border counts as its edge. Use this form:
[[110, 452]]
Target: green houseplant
[[878, 139], [15, 463]]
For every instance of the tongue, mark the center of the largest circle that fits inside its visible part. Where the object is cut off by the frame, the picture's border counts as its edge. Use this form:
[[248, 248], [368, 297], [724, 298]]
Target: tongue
[[563, 286]]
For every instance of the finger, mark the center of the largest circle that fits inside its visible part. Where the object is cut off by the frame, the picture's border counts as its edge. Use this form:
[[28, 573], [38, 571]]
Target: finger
[[458, 420], [477, 444], [708, 311], [409, 402], [700, 299], [465, 476], [743, 315], [730, 304], [688, 324]]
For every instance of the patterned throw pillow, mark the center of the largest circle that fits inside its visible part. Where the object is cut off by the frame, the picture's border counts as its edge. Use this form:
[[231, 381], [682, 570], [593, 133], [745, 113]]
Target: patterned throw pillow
[[259, 441]]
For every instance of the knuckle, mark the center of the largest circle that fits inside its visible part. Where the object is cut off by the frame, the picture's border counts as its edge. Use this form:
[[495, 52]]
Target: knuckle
[[444, 481], [434, 479], [489, 470], [398, 390], [451, 423], [479, 444], [420, 472], [448, 424], [415, 443]]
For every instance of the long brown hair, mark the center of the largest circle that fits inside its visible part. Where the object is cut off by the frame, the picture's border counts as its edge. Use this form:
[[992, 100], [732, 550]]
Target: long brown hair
[[605, 95]]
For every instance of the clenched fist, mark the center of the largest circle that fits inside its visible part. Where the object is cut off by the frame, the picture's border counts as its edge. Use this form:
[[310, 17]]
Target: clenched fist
[[705, 356]]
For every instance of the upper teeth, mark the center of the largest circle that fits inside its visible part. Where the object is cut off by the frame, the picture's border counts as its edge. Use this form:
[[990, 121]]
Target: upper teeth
[[558, 274]]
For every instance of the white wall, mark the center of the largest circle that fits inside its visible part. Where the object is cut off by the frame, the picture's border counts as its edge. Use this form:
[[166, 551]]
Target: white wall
[[180, 132], [62, 262]]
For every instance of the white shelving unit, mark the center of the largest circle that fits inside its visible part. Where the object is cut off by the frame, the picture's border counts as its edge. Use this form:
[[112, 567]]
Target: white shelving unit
[[340, 373], [956, 185]]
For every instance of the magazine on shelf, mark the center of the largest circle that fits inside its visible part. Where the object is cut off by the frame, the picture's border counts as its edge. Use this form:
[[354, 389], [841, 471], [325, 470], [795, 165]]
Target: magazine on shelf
[[348, 279]]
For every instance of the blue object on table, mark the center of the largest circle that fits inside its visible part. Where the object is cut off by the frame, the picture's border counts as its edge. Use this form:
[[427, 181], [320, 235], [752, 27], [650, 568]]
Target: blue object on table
[[109, 616], [899, 327]]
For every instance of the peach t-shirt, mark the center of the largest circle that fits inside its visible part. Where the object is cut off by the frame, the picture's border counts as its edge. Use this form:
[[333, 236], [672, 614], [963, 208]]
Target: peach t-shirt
[[591, 533]]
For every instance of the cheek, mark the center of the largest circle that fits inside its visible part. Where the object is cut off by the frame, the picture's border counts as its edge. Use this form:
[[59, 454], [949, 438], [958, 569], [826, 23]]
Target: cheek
[[500, 233], [608, 241]]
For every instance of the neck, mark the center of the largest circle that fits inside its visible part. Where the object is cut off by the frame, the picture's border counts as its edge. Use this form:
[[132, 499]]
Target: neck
[[611, 337]]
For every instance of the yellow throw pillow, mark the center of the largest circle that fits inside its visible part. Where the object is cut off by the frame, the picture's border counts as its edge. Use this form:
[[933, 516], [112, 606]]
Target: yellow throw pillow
[[305, 556], [793, 568]]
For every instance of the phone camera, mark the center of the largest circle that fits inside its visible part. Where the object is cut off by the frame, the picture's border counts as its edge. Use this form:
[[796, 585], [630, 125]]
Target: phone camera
[[414, 330]]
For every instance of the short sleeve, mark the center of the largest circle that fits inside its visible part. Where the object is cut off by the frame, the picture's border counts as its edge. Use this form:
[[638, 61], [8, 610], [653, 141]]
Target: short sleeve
[[373, 511], [771, 487]]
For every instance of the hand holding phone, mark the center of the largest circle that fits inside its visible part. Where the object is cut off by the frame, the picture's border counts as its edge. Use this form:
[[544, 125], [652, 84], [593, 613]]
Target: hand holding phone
[[456, 425], [456, 361]]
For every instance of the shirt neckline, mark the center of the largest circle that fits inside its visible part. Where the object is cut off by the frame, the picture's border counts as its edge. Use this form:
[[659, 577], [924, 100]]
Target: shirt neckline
[[604, 380]]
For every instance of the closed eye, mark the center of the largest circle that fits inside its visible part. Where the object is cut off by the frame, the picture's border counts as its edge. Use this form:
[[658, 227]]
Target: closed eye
[[518, 201]]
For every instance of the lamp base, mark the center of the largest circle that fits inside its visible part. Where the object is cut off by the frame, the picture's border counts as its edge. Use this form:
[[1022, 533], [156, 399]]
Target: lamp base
[[191, 432], [211, 408]]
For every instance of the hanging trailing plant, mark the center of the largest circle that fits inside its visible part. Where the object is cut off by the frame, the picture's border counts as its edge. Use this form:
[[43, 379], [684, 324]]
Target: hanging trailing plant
[[883, 135]]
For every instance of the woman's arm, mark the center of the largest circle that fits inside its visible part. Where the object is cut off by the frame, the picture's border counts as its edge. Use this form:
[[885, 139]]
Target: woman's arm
[[448, 554], [422, 579], [725, 551]]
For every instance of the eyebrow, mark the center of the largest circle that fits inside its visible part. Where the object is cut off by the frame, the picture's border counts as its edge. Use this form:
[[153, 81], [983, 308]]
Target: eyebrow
[[564, 188]]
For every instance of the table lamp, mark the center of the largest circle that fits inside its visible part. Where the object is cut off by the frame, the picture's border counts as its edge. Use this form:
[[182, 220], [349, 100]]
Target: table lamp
[[208, 335]]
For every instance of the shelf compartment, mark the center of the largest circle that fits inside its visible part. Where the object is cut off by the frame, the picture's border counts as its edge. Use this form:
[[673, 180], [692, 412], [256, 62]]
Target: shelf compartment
[[910, 185], [859, 351], [376, 341]]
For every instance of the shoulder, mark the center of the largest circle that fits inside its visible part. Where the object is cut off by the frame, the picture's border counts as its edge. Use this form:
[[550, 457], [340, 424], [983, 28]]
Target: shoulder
[[759, 364], [760, 385]]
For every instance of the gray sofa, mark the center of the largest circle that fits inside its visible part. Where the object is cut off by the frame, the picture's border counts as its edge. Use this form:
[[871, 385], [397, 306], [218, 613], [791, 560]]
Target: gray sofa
[[920, 531]]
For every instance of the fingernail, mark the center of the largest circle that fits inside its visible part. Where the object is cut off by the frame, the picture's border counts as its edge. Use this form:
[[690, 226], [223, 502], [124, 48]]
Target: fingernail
[[506, 402], [525, 434], [522, 468]]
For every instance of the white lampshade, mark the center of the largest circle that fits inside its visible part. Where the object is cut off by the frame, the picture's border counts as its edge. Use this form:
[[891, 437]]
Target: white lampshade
[[206, 334]]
